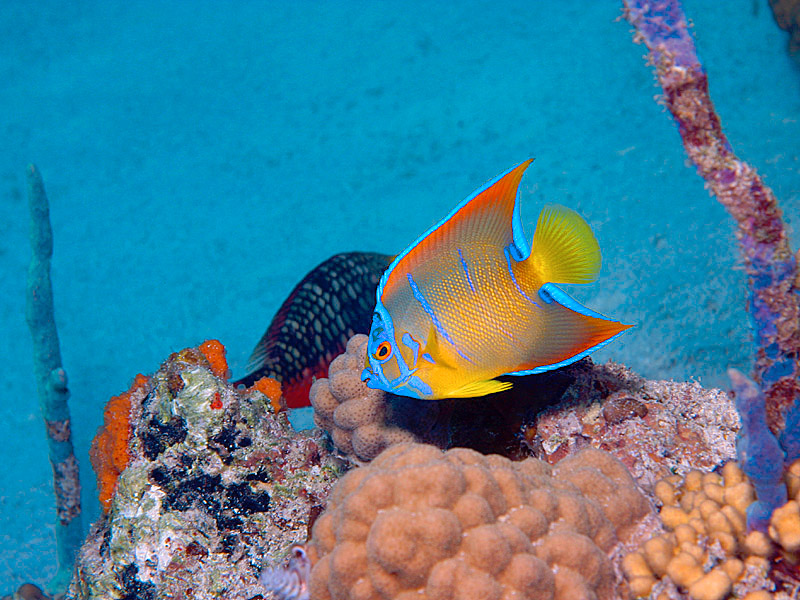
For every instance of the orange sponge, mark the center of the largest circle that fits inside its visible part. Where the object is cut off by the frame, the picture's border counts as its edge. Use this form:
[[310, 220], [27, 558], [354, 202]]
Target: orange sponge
[[214, 352], [271, 388], [109, 452]]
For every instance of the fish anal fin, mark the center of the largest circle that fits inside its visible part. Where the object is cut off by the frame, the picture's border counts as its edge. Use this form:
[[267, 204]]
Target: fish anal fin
[[564, 249], [480, 388]]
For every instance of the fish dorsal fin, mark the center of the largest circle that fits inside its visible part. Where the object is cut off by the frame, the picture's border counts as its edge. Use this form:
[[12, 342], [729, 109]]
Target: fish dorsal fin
[[489, 216], [564, 249], [480, 388]]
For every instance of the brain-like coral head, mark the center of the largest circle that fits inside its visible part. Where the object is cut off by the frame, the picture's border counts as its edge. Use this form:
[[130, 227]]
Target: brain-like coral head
[[430, 525]]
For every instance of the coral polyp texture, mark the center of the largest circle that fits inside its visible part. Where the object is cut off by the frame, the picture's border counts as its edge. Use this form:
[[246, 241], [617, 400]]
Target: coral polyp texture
[[425, 524], [211, 485], [707, 552], [363, 421]]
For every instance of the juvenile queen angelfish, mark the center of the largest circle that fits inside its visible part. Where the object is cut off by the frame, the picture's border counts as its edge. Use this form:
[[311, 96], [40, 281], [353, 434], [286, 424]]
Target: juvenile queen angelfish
[[469, 300]]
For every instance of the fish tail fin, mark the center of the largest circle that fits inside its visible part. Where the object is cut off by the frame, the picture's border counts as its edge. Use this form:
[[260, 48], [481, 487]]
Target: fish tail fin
[[580, 335], [564, 249]]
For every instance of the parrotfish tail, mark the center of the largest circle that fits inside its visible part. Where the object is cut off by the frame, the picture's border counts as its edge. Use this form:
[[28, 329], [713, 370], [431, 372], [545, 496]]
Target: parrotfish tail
[[311, 328]]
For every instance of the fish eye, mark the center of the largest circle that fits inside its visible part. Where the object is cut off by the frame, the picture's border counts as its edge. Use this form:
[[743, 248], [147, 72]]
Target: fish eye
[[383, 351]]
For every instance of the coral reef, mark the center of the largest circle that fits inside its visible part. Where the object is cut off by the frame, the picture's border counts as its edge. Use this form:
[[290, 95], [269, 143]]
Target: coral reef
[[771, 267], [421, 523], [216, 485], [51, 383], [707, 551], [654, 427]]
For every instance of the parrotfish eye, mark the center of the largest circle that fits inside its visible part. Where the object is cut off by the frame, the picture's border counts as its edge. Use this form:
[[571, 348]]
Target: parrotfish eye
[[383, 351]]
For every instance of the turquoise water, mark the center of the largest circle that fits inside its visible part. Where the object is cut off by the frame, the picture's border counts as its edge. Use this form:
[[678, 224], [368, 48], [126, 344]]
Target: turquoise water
[[201, 158]]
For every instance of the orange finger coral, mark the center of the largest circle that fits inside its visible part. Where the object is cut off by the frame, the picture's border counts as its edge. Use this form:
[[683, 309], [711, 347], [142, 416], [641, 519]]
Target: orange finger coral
[[707, 551], [431, 525], [109, 452]]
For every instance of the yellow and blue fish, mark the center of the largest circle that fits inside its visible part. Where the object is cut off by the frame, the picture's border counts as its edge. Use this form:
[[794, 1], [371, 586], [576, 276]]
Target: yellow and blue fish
[[470, 300]]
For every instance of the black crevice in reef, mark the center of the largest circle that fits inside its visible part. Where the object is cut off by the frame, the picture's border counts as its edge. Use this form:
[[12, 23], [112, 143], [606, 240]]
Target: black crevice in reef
[[132, 588], [225, 503], [157, 436]]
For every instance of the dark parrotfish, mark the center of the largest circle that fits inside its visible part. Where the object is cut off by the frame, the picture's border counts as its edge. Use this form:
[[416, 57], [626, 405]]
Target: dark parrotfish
[[311, 328]]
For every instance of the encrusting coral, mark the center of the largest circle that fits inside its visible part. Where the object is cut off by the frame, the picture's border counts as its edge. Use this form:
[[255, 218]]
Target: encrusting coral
[[654, 427], [707, 550], [212, 484], [425, 524]]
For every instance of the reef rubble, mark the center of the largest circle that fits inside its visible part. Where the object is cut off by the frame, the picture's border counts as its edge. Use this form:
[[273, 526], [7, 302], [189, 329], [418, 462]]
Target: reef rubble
[[217, 485], [218, 488]]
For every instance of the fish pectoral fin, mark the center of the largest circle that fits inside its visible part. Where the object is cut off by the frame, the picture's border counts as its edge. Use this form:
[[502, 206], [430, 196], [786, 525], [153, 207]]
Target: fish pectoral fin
[[564, 249], [434, 351], [480, 388]]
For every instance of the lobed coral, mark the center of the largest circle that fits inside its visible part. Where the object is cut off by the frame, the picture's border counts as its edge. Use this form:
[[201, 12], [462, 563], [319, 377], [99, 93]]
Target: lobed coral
[[421, 523], [109, 451], [362, 421], [707, 551]]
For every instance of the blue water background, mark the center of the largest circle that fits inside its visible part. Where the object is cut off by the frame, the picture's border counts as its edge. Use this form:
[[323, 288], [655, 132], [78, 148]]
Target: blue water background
[[201, 157]]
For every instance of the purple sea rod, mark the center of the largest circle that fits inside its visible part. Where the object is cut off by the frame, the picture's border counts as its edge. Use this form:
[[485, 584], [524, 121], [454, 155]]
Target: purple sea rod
[[774, 301]]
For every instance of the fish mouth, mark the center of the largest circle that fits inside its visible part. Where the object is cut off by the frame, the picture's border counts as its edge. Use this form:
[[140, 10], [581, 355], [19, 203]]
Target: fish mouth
[[366, 374]]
